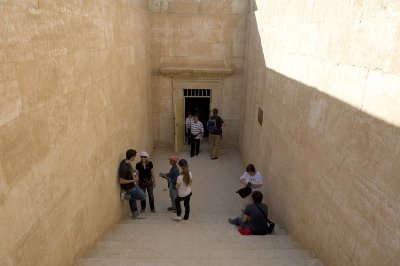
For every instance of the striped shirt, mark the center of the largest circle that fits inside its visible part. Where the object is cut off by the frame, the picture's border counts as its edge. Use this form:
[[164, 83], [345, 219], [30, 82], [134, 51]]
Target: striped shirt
[[196, 129]]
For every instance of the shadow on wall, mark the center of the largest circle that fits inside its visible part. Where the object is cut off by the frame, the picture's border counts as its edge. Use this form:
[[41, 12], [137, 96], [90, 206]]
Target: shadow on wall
[[331, 170]]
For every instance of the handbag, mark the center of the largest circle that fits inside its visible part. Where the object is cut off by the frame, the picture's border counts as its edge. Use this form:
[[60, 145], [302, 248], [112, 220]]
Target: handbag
[[145, 183], [270, 224], [244, 192]]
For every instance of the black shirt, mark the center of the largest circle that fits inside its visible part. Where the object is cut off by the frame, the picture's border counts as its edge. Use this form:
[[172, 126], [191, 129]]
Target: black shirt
[[144, 174], [125, 172], [257, 222]]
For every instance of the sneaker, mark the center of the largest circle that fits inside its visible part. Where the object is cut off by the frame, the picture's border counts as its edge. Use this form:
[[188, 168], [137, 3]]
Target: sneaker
[[177, 218], [214, 158], [153, 211], [123, 195], [140, 216], [231, 221], [171, 209]]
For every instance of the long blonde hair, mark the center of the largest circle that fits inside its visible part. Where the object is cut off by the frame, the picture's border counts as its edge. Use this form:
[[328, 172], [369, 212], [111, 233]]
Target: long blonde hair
[[186, 176]]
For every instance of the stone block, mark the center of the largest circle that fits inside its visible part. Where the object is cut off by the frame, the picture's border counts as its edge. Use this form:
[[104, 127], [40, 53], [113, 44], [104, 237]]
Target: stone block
[[239, 7], [348, 84], [382, 42], [30, 130], [10, 102], [382, 96], [3, 186], [82, 69], [184, 6], [39, 82], [210, 6]]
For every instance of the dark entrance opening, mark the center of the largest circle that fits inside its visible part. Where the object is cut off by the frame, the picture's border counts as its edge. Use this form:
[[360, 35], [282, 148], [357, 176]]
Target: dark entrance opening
[[201, 106]]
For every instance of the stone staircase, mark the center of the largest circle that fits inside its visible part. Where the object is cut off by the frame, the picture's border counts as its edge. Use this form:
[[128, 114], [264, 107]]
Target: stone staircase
[[203, 240], [206, 238]]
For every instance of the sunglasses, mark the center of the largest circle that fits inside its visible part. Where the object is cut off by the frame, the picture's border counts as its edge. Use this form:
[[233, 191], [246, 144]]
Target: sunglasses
[[143, 157]]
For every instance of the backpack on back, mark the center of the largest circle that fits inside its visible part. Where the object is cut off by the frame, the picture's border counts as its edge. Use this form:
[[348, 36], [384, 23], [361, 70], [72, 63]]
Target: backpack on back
[[212, 126]]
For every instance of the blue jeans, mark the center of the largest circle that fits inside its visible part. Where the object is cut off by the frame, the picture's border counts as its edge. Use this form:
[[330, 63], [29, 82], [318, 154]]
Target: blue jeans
[[173, 193], [135, 194], [149, 190], [239, 222]]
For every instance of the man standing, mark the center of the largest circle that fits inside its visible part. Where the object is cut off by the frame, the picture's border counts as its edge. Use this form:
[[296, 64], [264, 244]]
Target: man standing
[[172, 177], [189, 119], [214, 126], [196, 131], [128, 181]]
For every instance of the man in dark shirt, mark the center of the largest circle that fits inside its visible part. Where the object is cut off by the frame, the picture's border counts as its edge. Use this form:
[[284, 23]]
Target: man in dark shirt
[[254, 216], [128, 181], [215, 138], [172, 176]]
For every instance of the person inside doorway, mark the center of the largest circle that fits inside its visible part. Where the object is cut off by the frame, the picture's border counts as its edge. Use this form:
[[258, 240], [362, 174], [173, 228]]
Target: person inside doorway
[[214, 127], [189, 119], [196, 132]]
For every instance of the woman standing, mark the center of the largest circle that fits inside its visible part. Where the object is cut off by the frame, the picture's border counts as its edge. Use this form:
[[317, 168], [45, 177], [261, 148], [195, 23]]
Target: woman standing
[[146, 179], [253, 179], [183, 184]]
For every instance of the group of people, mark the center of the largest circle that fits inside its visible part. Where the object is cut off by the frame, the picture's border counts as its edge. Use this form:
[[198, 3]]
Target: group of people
[[195, 132], [135, 182], [254, 218]]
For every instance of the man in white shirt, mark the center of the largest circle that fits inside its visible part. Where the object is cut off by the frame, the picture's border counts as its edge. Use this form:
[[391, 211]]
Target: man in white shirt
[[196, 131]]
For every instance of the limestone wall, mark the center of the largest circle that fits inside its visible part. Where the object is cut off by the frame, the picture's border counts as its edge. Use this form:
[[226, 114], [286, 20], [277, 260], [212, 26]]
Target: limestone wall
[[197, 33], [74, 82], [327, 76]]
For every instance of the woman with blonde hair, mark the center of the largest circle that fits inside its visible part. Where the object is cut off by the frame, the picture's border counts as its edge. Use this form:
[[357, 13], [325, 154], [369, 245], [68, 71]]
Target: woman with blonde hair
[[183, 184]]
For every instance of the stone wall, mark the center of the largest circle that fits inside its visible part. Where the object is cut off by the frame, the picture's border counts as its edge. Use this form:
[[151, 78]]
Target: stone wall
[[202, 34], [74, 82], [326, 75]]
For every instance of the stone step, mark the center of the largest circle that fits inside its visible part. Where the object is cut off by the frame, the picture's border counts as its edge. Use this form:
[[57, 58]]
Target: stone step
[[188, 261], [182, 251], [222, 243], [190, 235]]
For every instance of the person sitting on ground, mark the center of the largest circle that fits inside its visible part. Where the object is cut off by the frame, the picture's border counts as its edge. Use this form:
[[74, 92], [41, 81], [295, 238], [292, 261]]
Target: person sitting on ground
[[183, 184], [253, 179], [128, 181], [146, 179], [172, 177], [253, 221]]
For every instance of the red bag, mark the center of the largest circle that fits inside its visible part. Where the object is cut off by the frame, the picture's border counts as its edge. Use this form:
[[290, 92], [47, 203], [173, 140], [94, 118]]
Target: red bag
[[245, 232]]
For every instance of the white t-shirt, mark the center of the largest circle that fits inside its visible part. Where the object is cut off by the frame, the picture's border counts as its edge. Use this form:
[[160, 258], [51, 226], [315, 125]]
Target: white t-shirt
[[183, 189], [255, 179]]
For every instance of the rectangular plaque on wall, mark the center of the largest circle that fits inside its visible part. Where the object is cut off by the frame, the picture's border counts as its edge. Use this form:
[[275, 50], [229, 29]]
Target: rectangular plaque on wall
[[260, 116]]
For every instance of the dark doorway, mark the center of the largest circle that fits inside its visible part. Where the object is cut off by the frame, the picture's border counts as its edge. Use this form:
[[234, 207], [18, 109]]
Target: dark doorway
[[200, 106]]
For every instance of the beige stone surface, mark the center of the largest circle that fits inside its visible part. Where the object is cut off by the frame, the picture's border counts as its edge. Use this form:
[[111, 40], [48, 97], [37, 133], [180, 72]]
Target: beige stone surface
[[329, 144], [206, 238], [197, 34], [74, 77]]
